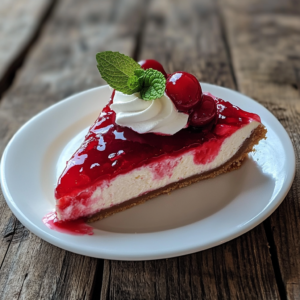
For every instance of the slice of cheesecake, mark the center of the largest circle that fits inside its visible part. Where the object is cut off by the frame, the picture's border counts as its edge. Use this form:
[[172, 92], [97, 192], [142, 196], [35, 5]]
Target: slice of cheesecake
[[157, 133], [116, 168]]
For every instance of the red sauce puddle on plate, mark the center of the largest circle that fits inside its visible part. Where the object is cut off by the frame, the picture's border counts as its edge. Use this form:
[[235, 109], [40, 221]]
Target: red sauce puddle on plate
[[76, 227]]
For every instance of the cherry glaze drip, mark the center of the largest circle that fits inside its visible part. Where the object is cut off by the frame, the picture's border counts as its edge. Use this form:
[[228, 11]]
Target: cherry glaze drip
[[76, 227], [109, 150]]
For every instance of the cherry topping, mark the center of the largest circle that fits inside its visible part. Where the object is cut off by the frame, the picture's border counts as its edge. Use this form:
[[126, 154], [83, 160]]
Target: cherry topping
[[184, 90], [153, 64], [204, 112]]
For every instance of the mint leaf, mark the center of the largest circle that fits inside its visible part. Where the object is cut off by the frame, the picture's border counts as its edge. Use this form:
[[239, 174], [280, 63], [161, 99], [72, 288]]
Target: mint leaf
[[116, 69], [139, 72], [154, 84], [134, 83]]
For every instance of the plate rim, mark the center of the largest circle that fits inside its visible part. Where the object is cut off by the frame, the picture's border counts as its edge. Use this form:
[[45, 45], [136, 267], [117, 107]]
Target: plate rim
[[162, 254]]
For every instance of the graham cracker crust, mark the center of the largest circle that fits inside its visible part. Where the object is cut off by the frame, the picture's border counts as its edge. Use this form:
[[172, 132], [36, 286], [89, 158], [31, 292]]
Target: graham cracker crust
[[233, 164]]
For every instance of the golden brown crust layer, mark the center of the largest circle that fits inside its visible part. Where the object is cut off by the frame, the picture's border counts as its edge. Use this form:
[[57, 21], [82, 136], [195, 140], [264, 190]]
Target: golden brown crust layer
[[234, 163]]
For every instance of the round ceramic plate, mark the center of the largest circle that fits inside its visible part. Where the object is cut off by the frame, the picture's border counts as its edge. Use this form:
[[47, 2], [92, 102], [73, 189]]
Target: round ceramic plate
[[191, 219]]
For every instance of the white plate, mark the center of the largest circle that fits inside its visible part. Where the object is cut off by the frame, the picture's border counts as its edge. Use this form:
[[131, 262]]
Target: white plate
[[191, 219]]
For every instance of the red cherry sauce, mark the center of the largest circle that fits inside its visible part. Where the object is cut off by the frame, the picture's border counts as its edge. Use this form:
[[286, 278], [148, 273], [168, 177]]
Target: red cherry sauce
[[165, 168], [76, 227], [109, 150]]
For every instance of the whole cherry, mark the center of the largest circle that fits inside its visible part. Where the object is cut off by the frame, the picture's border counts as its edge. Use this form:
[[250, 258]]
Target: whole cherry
[[153, 64], [184, 90], [204, 112]]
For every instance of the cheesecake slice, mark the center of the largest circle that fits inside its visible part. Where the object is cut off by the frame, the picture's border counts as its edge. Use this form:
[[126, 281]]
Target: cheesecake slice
[[157, 133], [117, 168]]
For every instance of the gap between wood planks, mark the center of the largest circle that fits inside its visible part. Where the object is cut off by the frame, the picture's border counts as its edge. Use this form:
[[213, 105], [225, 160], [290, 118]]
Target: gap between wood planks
[[9, 75], [139, 36], [97, 284], [226, 44], [274, 259], [266, 223]]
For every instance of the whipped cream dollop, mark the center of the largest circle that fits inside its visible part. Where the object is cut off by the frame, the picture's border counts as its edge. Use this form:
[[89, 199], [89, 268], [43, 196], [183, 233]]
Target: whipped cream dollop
[[158, 116]]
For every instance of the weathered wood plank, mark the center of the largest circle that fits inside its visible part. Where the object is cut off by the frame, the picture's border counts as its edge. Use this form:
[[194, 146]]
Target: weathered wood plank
[[190, 39], [239, 269], [61, 63], [265, 50], [19, 23]]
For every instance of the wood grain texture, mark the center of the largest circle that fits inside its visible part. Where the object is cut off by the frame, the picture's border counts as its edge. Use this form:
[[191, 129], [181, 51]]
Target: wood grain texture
[[265, 49], [61, 63], [289, 7], [190, 39], [239, 269], [19, 23]]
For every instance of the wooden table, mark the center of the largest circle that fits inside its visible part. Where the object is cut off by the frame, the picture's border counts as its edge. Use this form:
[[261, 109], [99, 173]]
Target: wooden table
[[47, 52]]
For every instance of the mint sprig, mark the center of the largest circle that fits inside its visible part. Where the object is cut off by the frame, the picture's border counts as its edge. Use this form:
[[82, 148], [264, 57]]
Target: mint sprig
[[125, 75]]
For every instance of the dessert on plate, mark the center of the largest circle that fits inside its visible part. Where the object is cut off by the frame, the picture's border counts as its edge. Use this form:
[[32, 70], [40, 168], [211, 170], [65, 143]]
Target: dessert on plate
[[157, 133]]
